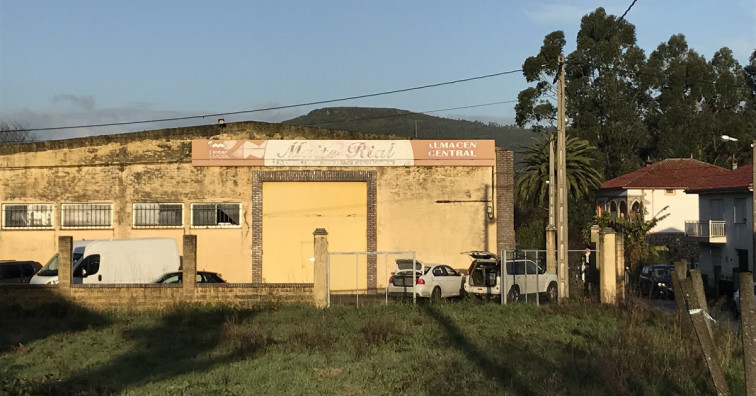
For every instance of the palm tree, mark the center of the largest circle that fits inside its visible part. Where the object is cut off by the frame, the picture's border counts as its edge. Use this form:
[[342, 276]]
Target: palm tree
[[583, 176]]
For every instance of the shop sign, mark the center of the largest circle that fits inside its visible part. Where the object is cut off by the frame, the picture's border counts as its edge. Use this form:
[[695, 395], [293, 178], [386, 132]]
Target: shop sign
[[343, 152]]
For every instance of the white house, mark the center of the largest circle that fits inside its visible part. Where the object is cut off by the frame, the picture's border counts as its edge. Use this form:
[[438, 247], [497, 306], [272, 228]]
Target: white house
[[723, 226], [646, 192]]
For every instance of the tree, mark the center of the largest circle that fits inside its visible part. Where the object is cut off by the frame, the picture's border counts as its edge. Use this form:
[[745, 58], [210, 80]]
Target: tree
[[602, 90], [14, 133], [634, 230], [582, 176], [673, 104], [695, 102]]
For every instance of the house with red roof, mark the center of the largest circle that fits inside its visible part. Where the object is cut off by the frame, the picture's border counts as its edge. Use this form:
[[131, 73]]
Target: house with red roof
[[723, 227], [647, 191]]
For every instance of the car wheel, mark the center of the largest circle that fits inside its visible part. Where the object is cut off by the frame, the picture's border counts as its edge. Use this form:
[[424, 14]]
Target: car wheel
[[436, 293], [552, 294], [514, 294]]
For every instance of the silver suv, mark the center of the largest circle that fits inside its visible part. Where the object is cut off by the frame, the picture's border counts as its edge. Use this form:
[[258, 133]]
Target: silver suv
[[523, 276]]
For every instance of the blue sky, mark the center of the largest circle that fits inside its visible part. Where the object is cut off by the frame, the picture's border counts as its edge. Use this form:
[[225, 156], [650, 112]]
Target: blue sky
[[65, 63]]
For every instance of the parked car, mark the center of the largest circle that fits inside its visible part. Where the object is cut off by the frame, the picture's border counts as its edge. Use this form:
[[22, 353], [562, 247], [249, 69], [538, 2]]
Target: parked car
[[656, 280], [12, 271], [484, 278], [202, 277], [427, 280], [736, 298]]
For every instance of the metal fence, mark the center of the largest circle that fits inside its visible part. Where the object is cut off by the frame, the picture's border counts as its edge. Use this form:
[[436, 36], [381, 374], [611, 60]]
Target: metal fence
[[532, 281], [361, 278]]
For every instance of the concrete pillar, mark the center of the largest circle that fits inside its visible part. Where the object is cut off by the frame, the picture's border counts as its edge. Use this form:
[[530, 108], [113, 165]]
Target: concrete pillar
[[551, 261], [65, 258], [748, 331], [608, 280], [189, 265], [320, 278], [620, 260]]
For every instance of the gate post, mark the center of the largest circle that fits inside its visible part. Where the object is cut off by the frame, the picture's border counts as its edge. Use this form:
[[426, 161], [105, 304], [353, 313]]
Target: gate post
[[65, 258], [620, 259], [320, 278], [189, 267], [608, 281]]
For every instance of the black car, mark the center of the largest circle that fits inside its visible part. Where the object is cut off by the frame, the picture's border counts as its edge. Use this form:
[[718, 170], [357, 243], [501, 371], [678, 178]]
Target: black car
[[656, 280], [202, 277], [12, 271]]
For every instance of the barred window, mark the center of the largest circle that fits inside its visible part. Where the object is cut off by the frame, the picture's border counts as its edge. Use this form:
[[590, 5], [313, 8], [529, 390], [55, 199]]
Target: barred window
[[86, 216], [158, 215], [27, 216], [220, 215]]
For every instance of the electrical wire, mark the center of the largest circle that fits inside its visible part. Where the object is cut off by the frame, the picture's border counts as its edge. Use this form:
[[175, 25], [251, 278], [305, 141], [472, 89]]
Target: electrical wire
[[319, 102]]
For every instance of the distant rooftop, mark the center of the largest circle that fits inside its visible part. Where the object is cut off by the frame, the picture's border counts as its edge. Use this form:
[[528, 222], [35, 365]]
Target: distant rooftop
[[672, 173], [738, 179]]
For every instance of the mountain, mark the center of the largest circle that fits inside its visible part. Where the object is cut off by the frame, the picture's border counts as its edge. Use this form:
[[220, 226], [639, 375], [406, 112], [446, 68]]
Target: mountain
[[416, 125]]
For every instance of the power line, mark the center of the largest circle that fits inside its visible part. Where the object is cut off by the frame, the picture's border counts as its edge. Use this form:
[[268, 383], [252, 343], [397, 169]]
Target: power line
[[275, 107]]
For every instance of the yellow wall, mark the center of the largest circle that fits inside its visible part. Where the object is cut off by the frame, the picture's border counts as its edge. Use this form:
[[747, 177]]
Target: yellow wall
[[437, 212], [293, 210]]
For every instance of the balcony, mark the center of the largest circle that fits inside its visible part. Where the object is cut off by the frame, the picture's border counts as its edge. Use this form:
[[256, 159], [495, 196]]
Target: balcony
[[712, 231]]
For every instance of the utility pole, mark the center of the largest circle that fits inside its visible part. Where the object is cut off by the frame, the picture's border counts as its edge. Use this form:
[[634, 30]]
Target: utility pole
[[551, 261], [561, 199]]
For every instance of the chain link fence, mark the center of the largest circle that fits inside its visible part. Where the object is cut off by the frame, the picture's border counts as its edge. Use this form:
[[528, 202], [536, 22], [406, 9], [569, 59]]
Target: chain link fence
[[361, 278]]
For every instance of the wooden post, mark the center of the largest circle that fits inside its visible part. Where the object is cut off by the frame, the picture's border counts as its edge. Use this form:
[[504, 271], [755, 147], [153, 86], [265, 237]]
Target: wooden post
[[683, 318], [698, 288], [708, 349], [748, 331]]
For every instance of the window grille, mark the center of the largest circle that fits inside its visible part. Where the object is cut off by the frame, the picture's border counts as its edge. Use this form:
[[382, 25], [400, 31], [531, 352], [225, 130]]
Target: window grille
[[158, 215], [86, 216], [216, 215], [28, 216]]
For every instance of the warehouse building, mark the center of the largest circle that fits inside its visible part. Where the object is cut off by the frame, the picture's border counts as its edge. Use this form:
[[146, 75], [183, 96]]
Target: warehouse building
[[253, 193]]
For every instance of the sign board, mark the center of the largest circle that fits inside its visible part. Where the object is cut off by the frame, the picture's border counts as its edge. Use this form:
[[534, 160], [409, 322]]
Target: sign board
[[343, 153]]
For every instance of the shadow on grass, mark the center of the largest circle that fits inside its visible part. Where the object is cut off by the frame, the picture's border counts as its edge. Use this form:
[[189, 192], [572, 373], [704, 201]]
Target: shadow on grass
[[19, 326], [504, 376], [185, 340]]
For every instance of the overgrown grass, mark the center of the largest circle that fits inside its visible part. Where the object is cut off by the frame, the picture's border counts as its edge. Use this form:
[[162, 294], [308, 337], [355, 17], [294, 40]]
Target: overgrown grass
[[442, 348]]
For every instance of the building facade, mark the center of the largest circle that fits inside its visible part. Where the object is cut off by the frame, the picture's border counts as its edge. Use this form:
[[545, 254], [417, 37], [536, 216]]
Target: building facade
[[253, 193], [723, 228]]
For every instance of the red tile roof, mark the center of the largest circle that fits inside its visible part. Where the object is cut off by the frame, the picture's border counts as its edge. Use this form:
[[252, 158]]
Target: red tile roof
[[738, 179], [672, 173]]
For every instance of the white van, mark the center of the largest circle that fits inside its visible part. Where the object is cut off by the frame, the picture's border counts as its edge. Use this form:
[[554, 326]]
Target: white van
[[49, 273], [140, 260]]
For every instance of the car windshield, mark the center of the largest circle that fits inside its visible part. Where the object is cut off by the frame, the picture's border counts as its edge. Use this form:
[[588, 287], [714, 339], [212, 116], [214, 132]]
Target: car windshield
[[51, 267], [661, 272]]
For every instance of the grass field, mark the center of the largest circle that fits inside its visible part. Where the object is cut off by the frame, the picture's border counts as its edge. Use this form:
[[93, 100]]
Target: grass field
[[446, 348]]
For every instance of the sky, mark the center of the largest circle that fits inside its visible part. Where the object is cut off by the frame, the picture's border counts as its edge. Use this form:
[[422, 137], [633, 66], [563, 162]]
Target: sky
[[74, 63]]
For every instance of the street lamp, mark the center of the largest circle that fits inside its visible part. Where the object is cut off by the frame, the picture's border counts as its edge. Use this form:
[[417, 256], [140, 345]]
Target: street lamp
[[726, 138]]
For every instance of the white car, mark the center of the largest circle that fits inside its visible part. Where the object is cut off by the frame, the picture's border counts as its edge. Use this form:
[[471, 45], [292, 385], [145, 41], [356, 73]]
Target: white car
[[433, 280], [522, 276]]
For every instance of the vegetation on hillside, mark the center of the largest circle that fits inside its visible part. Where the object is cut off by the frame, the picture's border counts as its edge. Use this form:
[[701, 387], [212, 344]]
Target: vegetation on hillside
[[445, 348], [414, 125]]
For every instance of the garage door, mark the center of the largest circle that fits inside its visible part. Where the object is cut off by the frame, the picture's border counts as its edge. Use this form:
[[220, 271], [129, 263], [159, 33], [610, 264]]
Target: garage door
[[293, 210]]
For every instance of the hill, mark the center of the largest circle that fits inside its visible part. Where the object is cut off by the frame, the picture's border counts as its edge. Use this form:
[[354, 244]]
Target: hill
[[398, 122]]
